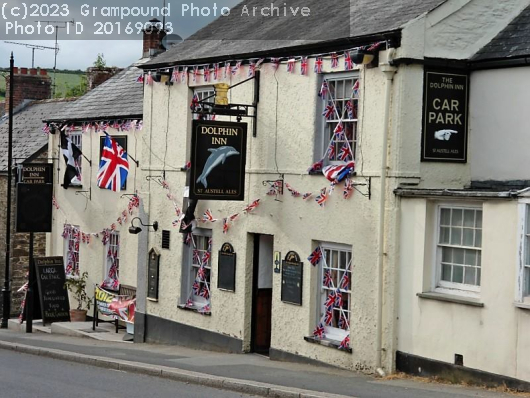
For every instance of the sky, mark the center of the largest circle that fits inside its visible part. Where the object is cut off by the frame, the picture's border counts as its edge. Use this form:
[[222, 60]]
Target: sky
[[120, 50]]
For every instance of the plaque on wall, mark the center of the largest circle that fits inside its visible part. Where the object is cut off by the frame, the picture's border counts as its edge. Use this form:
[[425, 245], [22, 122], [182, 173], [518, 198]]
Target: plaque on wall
[[445, 104], [153, 268], [292, 275], [226, 274]]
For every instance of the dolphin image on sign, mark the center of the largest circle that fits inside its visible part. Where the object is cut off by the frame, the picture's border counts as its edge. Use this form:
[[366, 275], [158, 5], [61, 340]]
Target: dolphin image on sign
[[217, 157]]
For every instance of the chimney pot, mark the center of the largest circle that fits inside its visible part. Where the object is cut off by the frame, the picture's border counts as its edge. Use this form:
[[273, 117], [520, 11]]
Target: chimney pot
[[15, 70], [23, 71], [33, 72], [43, 72]]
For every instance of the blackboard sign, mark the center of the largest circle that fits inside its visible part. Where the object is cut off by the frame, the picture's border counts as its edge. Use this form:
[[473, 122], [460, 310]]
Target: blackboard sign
[[53, 295], [153, 268], [444, 137], [292, 274], [226, 274], [218, 156]]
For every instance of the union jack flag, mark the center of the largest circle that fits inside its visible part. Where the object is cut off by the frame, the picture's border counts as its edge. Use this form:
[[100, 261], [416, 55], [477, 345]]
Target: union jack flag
[[195, 105], [374, 46], [233, 216], [189, 303], [260, 61], [140, 79], [275, 63], [294, 192], [307, 195], [338, 173], [201, 273], [328, 317], [206, 257], [338, 299], [188, 239], [140, 125], [184, 75], [226, 69], [251, 206], [322, 198], [319, 331], [175, 75], [315, 257], [334, 60], [46, 129], [345, 344], [251, 68], [328, 279], [348, 64], [290, 65], [316, 167], [225, 225], [304, 66], [206, 73], [194, 73], [165, 184], [343, 323], [331, 151], [205, 310], [348, 188], [196, 287], [236, 67], [196, 257], [330, 301], [216, 69], [324, 90], [329, 112], [352, 112], [205, 292], [355, 89], [114, 167], [345, 152], [208, 216], [149, 79], [319, 62], [345, 282]]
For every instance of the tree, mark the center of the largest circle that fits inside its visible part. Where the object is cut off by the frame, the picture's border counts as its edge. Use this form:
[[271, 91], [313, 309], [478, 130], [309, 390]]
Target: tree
[[77, 91], [100, 62]]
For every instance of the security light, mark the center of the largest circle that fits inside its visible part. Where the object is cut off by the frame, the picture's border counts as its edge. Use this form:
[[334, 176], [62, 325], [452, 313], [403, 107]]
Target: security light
[[136, 230]]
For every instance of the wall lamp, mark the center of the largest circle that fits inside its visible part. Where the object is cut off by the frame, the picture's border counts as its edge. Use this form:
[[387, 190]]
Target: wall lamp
[[362, 57], [136, 230]]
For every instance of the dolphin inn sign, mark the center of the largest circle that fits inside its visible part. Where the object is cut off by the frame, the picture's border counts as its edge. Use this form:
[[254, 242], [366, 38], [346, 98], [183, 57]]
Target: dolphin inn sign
[[218, 157]]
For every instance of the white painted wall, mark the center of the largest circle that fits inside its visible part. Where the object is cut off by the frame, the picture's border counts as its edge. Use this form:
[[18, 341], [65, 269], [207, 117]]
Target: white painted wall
[[499, 124], [492, 338]]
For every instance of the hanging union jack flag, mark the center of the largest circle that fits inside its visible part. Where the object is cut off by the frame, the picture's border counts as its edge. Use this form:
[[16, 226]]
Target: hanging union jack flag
[[334, 60], [319, 331], [348, 63], [329, 111], [324, 89], [304, 66], [330, 301], [345, 152], [328, 318], [345, 344], [328, 279], [114, 166], [318, 65], [251, 206], [315, 257], [322, 198]]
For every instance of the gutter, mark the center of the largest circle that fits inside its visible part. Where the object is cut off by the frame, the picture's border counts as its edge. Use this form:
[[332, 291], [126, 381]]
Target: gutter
[[92, 118], [439, 193]]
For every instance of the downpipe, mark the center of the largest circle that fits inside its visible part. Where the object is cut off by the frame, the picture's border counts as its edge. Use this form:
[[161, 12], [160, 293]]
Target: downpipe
[[389, 72]]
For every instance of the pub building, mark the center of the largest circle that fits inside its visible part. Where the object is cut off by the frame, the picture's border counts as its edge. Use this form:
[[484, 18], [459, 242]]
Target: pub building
[[376, 264]]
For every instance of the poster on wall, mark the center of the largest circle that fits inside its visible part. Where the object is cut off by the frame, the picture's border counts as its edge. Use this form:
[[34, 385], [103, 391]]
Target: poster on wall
[[445, 122], [218, 157]]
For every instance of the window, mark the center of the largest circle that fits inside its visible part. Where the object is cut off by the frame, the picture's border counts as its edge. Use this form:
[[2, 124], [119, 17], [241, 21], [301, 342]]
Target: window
[[196, 271], [343, 93], [112, 262], [71, 249], [459, 254], [77, 139], [204, 94], [335, 291], [525, 260]]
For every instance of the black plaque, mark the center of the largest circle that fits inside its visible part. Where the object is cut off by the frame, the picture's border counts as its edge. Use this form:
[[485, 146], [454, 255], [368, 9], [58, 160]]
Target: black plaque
[[153, 269], [226, 274], [36, 173], [53, 295], [292, 274], [34, 207], [218, 156], [445, 121]]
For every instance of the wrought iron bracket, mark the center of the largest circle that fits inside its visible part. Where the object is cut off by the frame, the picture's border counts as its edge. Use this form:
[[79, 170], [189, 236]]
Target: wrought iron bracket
[[86, 194], [276, 185], [368, 185], [157, 179]]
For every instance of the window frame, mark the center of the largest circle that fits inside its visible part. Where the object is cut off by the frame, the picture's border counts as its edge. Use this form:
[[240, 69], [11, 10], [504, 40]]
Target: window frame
[[332, 333], [189, 271], [66, 251], [322, 140], [107, 263], [523, 250], [76, 137], [202, 93], [447, 287]]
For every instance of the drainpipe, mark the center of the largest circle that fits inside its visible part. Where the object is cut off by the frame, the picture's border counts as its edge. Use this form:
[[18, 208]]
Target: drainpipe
[[389, 72]]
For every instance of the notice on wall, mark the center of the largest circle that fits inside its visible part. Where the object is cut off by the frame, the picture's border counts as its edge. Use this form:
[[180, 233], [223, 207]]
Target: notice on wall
[[226, 275], [53, 295], [292, 274], [445, 120], [218, 157]]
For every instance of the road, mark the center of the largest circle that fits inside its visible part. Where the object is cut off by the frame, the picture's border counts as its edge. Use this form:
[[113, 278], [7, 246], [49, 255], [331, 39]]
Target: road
[[29, 376]]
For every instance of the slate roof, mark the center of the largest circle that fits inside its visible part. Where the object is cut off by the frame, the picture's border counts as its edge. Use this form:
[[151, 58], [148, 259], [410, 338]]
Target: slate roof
[[512, 42], [236, 35], [118, 97], [28, 137]]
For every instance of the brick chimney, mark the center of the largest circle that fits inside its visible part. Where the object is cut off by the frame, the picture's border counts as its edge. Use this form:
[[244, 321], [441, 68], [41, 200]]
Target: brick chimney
[[96, 76], [153, 39], [28, 85]]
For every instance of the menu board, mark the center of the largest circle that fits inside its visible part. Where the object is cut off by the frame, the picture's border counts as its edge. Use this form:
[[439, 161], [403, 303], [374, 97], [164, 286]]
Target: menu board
[[53, 295], [292, 274], [226, 276]]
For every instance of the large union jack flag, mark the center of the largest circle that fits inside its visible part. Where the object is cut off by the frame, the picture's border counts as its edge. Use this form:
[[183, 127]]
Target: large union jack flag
[[114, 166]]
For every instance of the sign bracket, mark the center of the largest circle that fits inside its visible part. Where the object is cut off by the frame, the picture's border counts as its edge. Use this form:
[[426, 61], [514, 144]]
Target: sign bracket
[[84, 193]]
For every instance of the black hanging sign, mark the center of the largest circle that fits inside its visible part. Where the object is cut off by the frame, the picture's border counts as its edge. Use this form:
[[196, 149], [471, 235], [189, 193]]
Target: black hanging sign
[[292, 274], [218, 156], [36, 173], [226, 275], [53, 295], [445, 123]]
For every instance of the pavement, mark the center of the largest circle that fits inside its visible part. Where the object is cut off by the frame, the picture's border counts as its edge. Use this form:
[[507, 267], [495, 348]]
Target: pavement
[[243, 373]]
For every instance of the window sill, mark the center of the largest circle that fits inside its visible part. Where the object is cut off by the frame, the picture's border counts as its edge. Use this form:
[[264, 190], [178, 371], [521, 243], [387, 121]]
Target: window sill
[[451, 299], [327, 343], [523, 306], [184, 308]]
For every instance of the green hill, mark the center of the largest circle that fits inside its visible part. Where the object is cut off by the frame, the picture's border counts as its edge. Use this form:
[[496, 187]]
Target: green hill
[[65, 80]]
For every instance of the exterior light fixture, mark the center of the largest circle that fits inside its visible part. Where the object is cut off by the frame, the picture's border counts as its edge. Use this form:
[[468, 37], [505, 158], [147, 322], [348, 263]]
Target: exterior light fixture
[[136, 230], [362, 57]]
